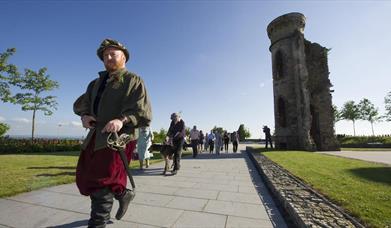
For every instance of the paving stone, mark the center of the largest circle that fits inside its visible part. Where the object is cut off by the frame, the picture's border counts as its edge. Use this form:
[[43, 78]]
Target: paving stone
[[197, 193], [247, 189], [185, 203], [236, 209], [156, 189], [239, 197], [199, 219], [241, 183], [151, 215], [218, 187], [209, 181], [18, 214], [56, 200], [243, 178], [240, 222], [152, 199]]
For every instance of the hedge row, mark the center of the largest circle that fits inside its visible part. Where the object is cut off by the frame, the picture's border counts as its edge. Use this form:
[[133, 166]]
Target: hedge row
[[39, 145], [365, 141]]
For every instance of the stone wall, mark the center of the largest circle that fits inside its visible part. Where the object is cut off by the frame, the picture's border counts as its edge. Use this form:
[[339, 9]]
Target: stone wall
[[322, 130], [300, 204]]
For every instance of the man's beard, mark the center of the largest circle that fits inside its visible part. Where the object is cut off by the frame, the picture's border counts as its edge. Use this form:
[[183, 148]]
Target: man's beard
[[113, 66]]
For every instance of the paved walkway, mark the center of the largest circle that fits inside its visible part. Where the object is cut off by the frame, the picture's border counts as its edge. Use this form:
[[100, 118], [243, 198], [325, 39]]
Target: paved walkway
[[210, 191], [372, 156]]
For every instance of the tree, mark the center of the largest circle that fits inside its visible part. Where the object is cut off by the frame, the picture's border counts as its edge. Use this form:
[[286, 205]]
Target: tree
[[7, 72], [3, 129], [187, 131], [387, 102], [336, 114], [350, 111], [243, 133], [218, 129], [159, 137], [35, 83], [369, 112]]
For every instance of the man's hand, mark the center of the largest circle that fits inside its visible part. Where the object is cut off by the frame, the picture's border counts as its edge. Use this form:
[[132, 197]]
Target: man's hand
[[88, 121], [113, 126]]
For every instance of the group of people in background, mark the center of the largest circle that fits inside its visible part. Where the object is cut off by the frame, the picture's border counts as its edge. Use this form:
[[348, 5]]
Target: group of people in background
[[213, 141]]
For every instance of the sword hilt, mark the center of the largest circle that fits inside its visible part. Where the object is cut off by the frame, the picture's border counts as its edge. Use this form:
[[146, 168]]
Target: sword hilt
[[117, 142]]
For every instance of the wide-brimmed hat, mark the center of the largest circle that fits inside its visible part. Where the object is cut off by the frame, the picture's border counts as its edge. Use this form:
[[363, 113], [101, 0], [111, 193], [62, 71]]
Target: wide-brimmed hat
[[106, 43]]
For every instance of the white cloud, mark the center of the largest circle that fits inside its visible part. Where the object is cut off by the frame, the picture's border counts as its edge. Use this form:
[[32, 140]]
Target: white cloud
[[261, 85], [2, 118], [76, 124], [20, 120]]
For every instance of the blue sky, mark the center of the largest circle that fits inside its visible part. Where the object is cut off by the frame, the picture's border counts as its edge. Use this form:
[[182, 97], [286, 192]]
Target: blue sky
[[208, 59]]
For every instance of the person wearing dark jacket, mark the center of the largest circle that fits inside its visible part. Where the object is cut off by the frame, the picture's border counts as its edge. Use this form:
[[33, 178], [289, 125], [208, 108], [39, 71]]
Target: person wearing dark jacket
[[268, 136], [226, 141], [176, 134]]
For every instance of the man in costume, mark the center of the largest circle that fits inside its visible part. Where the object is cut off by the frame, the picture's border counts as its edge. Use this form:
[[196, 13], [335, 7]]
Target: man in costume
[[116, 101]]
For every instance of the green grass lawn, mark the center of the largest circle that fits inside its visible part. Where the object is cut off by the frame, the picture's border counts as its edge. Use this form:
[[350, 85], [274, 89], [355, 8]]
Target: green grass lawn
[[26, 172], [362, 188]]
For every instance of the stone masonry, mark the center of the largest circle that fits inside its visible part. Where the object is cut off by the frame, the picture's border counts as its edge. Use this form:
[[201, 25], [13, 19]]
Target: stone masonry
[[301, 86]]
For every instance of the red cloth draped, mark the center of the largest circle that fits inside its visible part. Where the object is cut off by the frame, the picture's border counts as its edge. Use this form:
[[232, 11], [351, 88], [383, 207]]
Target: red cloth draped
[[102, 168]]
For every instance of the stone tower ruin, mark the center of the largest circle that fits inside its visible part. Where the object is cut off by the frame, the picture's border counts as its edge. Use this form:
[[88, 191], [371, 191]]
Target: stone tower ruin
[[302, 99]]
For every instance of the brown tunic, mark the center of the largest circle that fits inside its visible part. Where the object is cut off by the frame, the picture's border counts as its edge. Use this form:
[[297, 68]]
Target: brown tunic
[[124, 96]]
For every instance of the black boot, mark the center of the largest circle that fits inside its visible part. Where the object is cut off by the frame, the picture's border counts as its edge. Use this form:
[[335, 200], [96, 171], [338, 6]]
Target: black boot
[[101, 204], [124, 200]]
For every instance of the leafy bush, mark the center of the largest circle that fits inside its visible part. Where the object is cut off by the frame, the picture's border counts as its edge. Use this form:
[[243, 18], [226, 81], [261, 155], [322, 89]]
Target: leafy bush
[[159, 137], [3, 128], [9, 145]]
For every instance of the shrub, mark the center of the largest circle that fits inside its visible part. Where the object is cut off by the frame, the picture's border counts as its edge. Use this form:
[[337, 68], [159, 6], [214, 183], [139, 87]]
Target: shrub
[[383, 141], [3, 128], [9, 145]]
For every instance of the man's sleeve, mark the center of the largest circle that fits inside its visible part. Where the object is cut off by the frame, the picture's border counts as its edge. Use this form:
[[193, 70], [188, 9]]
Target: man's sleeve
[[136, 105], [169, 132], [183, 131], [82, 105]]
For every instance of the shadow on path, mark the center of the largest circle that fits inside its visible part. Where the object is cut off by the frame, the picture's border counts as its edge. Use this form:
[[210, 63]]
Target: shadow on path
[[207, 155], [264, 194], [81, 223]]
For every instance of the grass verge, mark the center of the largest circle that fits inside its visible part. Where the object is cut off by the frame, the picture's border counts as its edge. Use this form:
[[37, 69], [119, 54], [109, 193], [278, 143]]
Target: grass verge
[[26, 172], [362, 188]]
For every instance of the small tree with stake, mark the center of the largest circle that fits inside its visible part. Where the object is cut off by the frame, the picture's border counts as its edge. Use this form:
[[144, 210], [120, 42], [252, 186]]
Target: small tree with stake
[[350, 111], [35, 83], [368, 112]]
